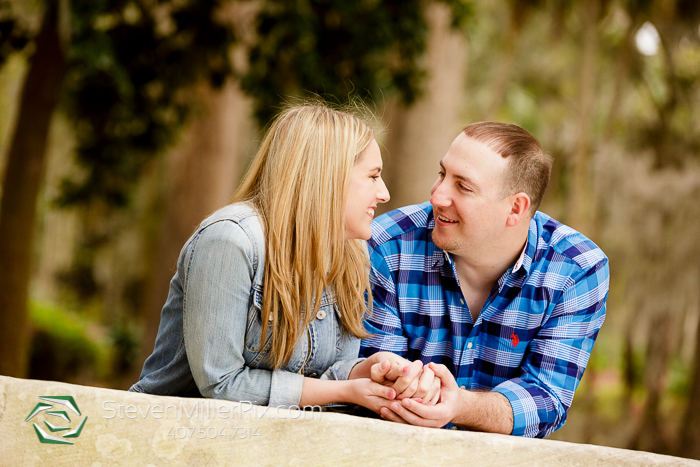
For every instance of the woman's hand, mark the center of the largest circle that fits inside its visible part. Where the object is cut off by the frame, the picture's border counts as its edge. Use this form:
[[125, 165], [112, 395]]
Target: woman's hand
[[411, 381], [367, 393], [364, 368]]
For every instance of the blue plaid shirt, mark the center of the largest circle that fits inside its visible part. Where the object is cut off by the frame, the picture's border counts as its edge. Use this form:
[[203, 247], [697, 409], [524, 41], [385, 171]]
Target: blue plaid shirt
[[534, 336]]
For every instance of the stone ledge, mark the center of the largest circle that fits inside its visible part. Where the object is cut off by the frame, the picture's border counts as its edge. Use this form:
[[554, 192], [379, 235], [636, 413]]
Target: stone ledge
[[172, 431]]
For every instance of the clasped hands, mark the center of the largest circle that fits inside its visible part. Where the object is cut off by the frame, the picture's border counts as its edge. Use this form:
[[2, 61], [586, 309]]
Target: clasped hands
[[410, 380], [422, 395]]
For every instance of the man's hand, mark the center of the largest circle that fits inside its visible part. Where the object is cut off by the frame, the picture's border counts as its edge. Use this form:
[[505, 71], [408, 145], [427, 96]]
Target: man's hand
[[436, 416], [482, 411], [428, 391]]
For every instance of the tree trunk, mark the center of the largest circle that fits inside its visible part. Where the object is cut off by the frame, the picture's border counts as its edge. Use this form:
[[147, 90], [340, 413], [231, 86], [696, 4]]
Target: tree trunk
[[506, 57], [649, 435], [20, 187], [203, 176], [581, 199], [621, 82], [690, 429], [420, 135]]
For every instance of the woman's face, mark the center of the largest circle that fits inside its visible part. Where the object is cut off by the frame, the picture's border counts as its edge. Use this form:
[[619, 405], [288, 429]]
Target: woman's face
[[366, 190]]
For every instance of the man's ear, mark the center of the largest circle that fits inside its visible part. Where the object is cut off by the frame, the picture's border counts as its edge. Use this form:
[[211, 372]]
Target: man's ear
[[519, 208]]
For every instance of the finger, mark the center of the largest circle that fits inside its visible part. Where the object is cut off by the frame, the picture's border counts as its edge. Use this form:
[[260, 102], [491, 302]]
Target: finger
[[379, 390], [388, 414], [424, 384], [396, 370], [384, 391], [446, 378], [408, 410], [379, 370], [410, 390], [408, 374], [393, 358], [435, 400], [435, 393]]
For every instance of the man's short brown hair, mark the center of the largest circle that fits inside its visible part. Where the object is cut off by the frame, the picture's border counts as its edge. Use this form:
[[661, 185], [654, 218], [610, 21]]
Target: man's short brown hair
[[529, 167]]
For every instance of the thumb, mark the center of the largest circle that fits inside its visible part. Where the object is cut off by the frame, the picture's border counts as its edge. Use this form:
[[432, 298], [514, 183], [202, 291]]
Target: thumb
[[442, 372], [379, 370], [375, 389]]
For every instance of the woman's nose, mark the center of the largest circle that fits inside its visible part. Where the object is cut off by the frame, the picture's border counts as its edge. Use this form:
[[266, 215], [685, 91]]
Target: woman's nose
[[383, 192]]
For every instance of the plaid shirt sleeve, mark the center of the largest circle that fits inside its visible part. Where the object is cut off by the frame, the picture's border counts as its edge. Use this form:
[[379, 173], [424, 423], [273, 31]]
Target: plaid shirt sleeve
[[558, 355]]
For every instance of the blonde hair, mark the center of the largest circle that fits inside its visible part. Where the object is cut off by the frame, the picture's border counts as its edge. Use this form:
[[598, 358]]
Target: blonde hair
[[298, 184]]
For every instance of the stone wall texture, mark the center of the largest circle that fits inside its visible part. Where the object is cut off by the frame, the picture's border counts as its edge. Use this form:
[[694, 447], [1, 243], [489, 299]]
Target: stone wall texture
[[122, 428]]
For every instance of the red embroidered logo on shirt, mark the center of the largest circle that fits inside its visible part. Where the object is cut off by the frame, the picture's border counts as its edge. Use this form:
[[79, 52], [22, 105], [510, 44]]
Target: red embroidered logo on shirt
[[515, 338]]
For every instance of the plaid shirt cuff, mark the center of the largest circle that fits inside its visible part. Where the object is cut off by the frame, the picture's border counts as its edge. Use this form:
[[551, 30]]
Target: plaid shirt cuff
[[534, 414]]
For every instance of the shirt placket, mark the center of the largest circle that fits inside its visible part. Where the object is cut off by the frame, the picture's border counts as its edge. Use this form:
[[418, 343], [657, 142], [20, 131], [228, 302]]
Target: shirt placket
[[465, 351]]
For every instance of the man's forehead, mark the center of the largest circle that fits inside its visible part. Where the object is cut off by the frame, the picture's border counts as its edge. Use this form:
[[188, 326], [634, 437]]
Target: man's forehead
[[468, 157], [472, 149], [459, 171]]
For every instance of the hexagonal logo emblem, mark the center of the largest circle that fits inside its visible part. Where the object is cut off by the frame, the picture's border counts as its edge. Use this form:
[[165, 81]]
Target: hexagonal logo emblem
[[57, 421]]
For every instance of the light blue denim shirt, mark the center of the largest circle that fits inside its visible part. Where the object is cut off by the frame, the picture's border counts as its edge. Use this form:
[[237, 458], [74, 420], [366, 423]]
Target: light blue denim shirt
[[210, 327]]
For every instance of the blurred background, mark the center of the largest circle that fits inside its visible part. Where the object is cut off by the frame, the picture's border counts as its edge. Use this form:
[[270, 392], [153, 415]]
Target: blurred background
[[123, 123]]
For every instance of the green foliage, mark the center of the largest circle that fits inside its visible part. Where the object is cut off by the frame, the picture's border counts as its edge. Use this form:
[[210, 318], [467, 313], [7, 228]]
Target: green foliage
[[66, 346], [680, 378], [131, 64], [339, 47], [125, 341], [62, 348]]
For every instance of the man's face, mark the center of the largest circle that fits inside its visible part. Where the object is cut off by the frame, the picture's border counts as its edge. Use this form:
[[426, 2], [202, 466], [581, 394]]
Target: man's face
[[470, 213]]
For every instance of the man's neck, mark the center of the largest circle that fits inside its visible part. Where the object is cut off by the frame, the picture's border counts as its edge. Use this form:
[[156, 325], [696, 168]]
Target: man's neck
[[483, 272], [478, 275]]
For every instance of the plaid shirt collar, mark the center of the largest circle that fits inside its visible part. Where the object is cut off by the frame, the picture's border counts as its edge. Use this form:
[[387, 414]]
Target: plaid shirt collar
[[521, 266]]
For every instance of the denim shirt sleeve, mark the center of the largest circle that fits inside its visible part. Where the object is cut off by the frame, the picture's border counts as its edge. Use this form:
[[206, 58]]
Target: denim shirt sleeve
[[217, 287], [347, 360]]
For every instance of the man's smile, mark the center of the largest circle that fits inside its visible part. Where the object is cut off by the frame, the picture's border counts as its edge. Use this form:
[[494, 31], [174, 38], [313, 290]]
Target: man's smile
[[445, 219]]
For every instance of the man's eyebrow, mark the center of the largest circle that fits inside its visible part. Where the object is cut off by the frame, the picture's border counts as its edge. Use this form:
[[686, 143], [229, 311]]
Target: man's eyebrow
[[463, 178]]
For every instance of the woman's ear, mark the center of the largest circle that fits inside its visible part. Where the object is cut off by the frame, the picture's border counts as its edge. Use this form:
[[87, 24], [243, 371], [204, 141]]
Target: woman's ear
[[519, 208]]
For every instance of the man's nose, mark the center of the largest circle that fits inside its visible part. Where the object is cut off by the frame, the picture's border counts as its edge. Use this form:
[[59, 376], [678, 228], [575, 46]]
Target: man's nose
[[439, 195]]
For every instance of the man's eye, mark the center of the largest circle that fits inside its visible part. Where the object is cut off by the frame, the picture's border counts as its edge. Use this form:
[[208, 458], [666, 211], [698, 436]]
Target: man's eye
[[465, 188], [441, 174]]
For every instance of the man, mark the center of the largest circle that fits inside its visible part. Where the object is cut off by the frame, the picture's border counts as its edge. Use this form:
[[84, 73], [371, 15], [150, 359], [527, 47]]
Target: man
[[504, 301]]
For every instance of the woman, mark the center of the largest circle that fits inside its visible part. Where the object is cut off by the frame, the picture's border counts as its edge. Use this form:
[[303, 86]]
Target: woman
[[267, 302]]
